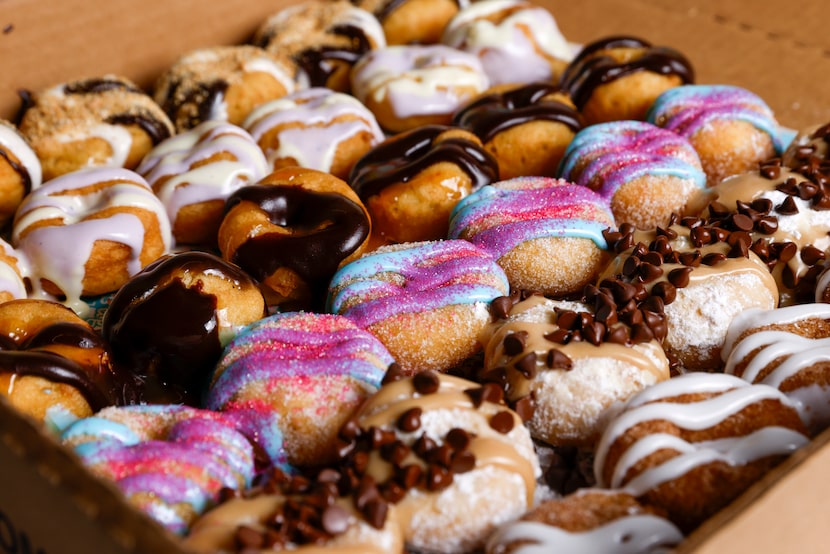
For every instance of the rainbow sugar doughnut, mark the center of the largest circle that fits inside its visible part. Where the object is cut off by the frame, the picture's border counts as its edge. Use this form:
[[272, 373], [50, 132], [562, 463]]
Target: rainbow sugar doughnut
[[297, 377], [170, 461], [647, 173], [426, 301], [545, 233], [731, 128]]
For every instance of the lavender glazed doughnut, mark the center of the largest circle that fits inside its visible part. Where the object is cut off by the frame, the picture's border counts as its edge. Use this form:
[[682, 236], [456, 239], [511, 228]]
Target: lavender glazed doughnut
[[412, 21], [646, 173], [426, 302], [316, 128], [731, 128], [170, 461], [100, 121], [194, 172], [545, 233], [20, 170], [517, 41], [298, 377]]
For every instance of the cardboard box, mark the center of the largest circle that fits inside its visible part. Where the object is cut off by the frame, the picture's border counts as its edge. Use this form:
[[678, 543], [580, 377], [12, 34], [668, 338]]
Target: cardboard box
[[49, 504]]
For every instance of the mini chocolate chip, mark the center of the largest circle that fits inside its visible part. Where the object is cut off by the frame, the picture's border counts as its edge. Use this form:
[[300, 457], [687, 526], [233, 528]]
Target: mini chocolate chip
[[679, 277], [350, 430], [514, 343], [716, 209], [649, 272], [423, 445], [559, 336], [660, 246], [770, 171], [787, 206], [360, 461], [462, 462], [409, 476], [611, 236], [393, 373], [653, 258], [335, 520], [665, 290], [594, 333], [392, 492], [700, 236], [380, 437], [441, 455], [788, 277], [395, 453], [807, 190], [821, 202], [525, 407], [713, 258], [767, 225], [556, 359], [426, 382], [526, 365], [761, 248], [438, 478], [740, 249], [626, 242], [496, 375], [500, 307], [667, 232], [502, 422], [811, 255], [617, 335], [375, 512], [641, 333], [630, 265], [784, 251], [567, 319], [458, 438], [606, 313], [741, 222], [691, 259]]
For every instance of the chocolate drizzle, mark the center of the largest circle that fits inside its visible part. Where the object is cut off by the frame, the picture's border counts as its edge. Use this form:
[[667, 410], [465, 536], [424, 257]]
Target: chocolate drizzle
[[154, 128], [317, 61], [188, 106], [493, 113], [589, 69], [98, 85], [18, 168], [402, 157]]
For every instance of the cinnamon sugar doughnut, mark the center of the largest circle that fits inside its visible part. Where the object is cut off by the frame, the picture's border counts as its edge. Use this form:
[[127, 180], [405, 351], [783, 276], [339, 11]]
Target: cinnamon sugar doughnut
[[426, 301], [315, 128], [411, 182], [325, 37], [100, 121], [589, 520], [647, 173], [407, 87], [692, 444], [545, 233], [110, 217], [412, 21], [454, 460], [563, 364], [291, 231], [731, 128], [619, 77], [224, 83], [516, 40], [14, 271], [20, 170], [194, 172]]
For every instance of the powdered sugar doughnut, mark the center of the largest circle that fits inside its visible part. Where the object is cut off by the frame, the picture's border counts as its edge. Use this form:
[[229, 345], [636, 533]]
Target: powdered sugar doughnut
[[112, 219], [315, 128], [13, 270], [194, 172], [517, 41], [298, 376], [647, 173], [411, 86], [426, 302], [692, 444], [545, 233], [20, 170], [731, 128], [170, 461]]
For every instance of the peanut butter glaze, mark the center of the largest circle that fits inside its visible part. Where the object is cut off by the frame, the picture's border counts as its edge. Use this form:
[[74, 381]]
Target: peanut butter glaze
[[402, 157], [590, 69], [493, 113]]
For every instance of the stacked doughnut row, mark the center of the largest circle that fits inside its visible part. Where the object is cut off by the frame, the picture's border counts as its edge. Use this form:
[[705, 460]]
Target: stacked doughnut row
[[383, 282]]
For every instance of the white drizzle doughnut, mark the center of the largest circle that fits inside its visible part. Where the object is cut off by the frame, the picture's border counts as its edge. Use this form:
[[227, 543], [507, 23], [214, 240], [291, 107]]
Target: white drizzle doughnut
[[80, 209], [13, 270]]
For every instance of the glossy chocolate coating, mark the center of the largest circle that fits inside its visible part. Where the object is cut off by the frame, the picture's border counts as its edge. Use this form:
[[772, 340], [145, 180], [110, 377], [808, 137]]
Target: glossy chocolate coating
[[97, 86], [317, 61]]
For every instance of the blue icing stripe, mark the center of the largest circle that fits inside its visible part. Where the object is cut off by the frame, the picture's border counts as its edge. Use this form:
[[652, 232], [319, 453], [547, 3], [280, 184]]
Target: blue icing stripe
[[495, 240], [104, 431]]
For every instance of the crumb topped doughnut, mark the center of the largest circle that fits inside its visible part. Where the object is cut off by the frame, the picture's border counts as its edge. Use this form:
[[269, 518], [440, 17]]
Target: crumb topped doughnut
[[224, 83], [426, 302], [316, 128], [731, 128], [20, 170], [325, 37], [516, 40], [100, 121], [410, 86], [195, 171], [618, 78], [545, 233], [692, 444], [112, 219], [291, 231], [412, 21]]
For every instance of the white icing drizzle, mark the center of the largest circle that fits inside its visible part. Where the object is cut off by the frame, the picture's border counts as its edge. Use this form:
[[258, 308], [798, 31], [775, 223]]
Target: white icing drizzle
[[264, 64], [755, 318], [12, 142], [10, 280], [627, 535]]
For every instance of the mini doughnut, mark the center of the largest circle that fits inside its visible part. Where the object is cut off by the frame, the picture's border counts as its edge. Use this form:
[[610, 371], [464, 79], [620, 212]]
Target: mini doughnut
[[789, 349], [647, 173], [701, 273], [809, 151], [589, 520], [516, 40], [110, 217], [169, 323], [526, 128], [302, 515], [299, 376], [53, 365], [101, 121], [564, 364], [411, 86], [170, 461], [315, 128], [412, 21], [325, 38], [291, 231], [618, 78], [731, 128], [545, 233], [426, 302], [224, 83], [692, 444], [194, 172], [20, 170], [14, 272], [448, 453], [411, 182]]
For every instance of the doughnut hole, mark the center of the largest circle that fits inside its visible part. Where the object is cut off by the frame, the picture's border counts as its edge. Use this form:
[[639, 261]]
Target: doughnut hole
[[650, 200], [628, 97], [731, 147]]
